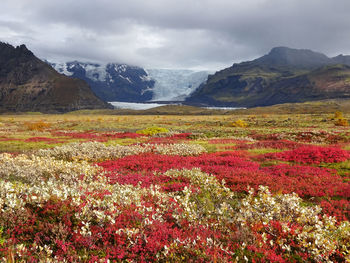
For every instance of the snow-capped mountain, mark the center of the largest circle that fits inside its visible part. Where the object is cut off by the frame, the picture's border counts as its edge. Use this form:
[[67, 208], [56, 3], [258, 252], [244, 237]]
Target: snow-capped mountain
[[175, 85], [121, 82], [111, 82]]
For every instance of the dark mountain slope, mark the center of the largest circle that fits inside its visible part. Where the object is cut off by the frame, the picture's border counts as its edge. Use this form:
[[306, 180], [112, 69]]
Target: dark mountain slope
[[29, 84], [283, 75]]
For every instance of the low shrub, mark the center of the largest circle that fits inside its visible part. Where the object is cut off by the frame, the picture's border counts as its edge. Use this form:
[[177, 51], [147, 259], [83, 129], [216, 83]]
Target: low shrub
[[339, 119], [240, 123], [153, 131], [37, 126], [341, 122]]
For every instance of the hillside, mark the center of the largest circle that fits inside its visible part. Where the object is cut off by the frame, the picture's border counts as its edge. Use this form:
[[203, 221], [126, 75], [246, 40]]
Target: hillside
[[29, 84], [282, 76]]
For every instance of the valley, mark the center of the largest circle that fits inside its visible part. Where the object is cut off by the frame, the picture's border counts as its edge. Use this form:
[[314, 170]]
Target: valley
[[175, 131]]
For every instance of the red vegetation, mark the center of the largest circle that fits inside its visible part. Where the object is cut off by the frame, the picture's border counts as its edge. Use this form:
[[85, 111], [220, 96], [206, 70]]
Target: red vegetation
[[237, 171], [311, 155], [306, 181], [43, 139], [338, 208], [54, 221]]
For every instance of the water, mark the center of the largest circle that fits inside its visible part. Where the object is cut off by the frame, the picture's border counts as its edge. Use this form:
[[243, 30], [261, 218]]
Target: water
[[134, 105], [146, 106], [225, 108]]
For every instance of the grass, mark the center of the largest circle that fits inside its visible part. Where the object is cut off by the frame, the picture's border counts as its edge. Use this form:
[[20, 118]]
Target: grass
[[209, 147], [21, 146], [263, 151], [342, 168]]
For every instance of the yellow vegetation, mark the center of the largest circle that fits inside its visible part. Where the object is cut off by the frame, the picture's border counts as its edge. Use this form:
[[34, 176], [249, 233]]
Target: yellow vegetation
[[339, 119], [153, 130], [240, 123], [37, 126]]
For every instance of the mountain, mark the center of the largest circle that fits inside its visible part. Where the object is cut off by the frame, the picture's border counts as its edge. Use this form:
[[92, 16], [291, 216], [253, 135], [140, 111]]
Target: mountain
[[297, 58], [341, 59], [121, 82], [111, 82], [175, 85], [29, 84], [283, 75]]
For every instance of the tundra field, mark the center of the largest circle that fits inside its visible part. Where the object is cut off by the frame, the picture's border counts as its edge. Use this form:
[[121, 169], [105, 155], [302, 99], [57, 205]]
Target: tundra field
[[222, 188]]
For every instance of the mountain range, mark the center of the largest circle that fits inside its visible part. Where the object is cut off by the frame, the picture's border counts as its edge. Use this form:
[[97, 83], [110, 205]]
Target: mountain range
[[121, 82], [283, 75], [112, 81], [29, 84]]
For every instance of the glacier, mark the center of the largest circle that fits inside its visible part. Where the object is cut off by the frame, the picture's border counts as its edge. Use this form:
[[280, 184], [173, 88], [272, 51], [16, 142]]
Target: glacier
[[175, 84]]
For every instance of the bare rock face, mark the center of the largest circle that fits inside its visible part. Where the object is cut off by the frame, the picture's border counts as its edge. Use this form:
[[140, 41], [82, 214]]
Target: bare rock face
[[29, 84]]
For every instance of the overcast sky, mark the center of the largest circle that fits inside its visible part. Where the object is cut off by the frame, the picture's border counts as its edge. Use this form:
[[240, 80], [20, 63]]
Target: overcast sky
[[197, 34]]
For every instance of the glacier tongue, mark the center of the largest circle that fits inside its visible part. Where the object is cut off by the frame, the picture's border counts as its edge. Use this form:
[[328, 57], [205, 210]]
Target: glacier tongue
[[175, 85]]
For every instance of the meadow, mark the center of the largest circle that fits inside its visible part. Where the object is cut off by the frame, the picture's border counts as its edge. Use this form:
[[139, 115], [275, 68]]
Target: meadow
[[167, 188]]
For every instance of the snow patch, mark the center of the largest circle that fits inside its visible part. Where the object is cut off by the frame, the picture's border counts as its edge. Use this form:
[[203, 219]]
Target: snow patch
[[145, 78], [120, 68], [95, 72], [146, 90], [126, 78], [62, 68]]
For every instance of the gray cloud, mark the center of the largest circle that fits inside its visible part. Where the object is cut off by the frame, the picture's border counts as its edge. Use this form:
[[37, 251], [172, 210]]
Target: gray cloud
[[174, 34]]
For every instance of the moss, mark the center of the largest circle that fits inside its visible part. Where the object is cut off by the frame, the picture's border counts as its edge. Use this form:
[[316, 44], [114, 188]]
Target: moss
[[21, 146]]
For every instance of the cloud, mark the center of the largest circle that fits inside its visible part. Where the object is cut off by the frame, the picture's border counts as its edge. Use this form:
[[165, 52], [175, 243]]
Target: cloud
[[174, 34]]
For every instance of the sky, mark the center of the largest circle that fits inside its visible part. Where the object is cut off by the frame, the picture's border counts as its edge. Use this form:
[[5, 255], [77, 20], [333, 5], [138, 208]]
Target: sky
[[178, 34]]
